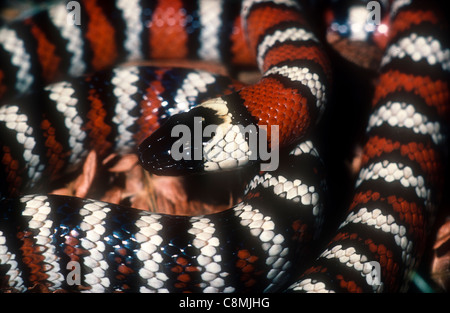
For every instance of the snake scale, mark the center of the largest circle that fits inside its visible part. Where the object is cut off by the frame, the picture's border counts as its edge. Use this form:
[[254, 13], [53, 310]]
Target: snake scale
[[260, 243]]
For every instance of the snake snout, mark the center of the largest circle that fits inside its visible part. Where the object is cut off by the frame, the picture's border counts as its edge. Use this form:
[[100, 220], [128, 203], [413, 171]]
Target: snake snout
[[176, 147], [156, 153]]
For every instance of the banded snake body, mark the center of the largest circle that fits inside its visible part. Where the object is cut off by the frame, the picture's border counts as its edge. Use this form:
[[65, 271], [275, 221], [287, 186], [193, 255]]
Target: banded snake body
[[259, 244]]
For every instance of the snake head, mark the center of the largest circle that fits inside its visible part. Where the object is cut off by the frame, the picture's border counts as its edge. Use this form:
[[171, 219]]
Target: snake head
[[166, 153], [206, 138]]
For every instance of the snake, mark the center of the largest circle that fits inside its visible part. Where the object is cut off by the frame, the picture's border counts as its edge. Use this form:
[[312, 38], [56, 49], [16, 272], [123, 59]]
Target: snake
[[267, 241], [381, 237]]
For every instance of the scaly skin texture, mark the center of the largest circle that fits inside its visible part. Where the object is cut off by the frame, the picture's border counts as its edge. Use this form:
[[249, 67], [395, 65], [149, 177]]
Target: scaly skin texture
[[253, 246], [399, 186]]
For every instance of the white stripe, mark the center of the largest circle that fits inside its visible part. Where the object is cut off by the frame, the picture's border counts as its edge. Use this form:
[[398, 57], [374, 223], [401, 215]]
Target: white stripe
[[304, 76], [69, 31], [63, 95], [194, 84], [289, 34], [214, 156], [390, 171], [94, 215], [38, 208], [150, 240], [310, 286], [227, 149], [124, 90], [132, 15], [7, 258], [418, 48], [385, 223], [20, 58], [351, 259], [400, 114], [295, 190], [273, 244], [306, 147], [17, 122], [210, 20], [209, 259]]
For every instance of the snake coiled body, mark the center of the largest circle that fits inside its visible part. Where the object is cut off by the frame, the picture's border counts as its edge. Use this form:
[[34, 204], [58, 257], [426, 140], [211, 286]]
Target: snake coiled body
[[399, 186], [246, 248], [261, 242]]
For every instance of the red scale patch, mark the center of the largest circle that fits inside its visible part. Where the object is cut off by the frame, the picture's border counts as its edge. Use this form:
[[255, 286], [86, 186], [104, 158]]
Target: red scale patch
[[289, 52], [350, 285], [150, 105], [405, 19], [419, 152], [240, 50], [55, 154], [410, 214], [96, 126], [389, 268], [274, 104], [3, 87], [184, 269], [46, 52], [168, 36], [11, 168], [247, 267], [377, 146], [263, 18], [435, 93], [33, 258], [301, 232], [100, 34]]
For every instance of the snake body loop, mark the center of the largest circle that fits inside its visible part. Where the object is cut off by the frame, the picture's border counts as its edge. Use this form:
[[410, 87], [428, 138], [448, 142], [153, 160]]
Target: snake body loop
[[398, 189], [252, 246]]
